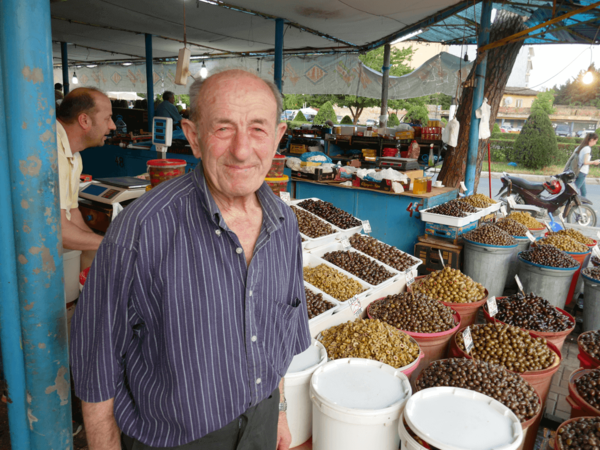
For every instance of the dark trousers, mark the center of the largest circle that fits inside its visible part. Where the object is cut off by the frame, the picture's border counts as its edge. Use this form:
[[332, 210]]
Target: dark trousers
[[256, 429]]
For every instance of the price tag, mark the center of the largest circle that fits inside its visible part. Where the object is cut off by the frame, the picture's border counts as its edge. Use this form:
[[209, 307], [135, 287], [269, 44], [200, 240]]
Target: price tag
[[492, 306], [285, 196], [441, 257], [462, 186], [346, 243], [530, 236], [511, 201], [598, 234], [548, 226], [503, 210], [410, 278], [519, 284], [366, 226], [596, 251], [355, 306], [468, 339]]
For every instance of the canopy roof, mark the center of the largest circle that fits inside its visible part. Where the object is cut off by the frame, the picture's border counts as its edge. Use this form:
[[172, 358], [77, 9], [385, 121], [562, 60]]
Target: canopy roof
[[100, 31]]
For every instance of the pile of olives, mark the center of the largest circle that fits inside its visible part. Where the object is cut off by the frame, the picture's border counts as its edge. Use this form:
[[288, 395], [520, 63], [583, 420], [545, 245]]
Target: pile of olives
[[526, 219], [588, 387], [478, 200], [370, 339], [330, 213], [532, 313], [595, 261], [316, 304], [590, 342], [334, 283], [451, 286], [448, 209], [509, 347], [564, 243], [464, 207], [592, 272], [550, 256], [581, 434], [382, 252], [574, 234], [359, 265], [494, 381], [490, 235], [512, 227], [413, 312], [310, 225]]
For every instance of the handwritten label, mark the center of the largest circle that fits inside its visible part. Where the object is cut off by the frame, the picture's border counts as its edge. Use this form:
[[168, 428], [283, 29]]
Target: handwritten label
[[441, 258], [468, 339], [285, 196], [503, 210], [366, 226], [346, 243], [519, 284], [511, 201], [462, 186], [596, 251], [410, 278], [547, 225], [530, 236], [492, 306], [355, 306]]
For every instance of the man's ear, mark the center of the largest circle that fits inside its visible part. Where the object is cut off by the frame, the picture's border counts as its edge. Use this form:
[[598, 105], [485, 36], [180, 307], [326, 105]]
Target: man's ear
[[85, 122], [280, 131], [191, 133]]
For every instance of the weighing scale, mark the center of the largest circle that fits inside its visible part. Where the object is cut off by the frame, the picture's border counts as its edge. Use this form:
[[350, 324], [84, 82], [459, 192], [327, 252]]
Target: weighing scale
[[402, 164], [114, 190]]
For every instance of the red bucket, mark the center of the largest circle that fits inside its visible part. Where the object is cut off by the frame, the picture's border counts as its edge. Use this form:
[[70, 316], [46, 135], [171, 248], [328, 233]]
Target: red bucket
[[557, 338], [586, 361], [579, 407], [277, 166], [557, 444]]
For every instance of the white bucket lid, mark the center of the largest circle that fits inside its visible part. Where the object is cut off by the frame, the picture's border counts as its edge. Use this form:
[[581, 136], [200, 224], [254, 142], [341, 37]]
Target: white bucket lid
[[455, 419], [308, 359], [360, 384]]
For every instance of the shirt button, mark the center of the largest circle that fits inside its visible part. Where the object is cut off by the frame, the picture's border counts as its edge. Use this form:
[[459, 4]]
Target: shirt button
[[250, 293], [239, 250], [253, 338], [258, 380], [218, 232]]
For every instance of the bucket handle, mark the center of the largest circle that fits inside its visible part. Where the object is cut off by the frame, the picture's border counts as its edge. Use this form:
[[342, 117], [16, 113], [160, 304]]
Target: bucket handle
[[571, 402]]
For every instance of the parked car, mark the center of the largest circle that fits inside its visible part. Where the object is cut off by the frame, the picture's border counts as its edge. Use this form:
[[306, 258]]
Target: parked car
[[506, 128], [563, 130], [339, 118], [582, 133], [372, 123]]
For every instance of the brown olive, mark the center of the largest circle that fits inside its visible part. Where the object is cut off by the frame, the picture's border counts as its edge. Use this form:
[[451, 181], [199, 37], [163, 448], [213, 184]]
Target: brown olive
[[316, 304], [330, 213], [359, 265], [581, 434], [490, 235], [382, 252], [547, 255]]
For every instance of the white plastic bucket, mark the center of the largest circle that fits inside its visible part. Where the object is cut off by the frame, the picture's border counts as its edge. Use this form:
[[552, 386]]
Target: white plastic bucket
[[296, 383], [451, 418], [71, 268], [357, 404]]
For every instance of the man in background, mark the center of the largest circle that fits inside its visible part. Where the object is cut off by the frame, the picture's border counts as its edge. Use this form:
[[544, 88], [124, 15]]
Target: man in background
[[168, 109]]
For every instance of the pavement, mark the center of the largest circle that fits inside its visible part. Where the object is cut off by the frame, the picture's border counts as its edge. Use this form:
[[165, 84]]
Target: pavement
[[556, 404]]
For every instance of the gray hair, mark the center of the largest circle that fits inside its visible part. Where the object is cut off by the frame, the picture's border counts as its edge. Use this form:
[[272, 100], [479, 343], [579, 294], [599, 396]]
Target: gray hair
[[196, 87]]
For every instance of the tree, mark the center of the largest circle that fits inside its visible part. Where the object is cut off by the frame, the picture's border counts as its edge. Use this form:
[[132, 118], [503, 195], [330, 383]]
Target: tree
[[325, 113], [398, 57], [346, 120], [300, 118], [496, 129], [500, 62], [574, 92], [544, 101], [536, 146], [417, 114], [393, 121], [355, 104]]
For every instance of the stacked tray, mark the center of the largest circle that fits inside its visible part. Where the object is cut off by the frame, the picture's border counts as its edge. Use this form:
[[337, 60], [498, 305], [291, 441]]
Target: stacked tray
[[309, 242], [348, 232], [326, 297]]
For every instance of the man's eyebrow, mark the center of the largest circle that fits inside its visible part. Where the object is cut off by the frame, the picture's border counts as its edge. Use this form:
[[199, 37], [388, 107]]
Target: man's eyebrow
[[226, 120]]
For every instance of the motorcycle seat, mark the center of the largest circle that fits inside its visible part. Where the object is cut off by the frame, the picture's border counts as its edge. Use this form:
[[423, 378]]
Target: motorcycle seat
[[526, 184]]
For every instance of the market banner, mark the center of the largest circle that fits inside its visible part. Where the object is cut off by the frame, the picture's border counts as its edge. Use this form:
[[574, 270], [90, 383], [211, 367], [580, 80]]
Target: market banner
[[342, 74]]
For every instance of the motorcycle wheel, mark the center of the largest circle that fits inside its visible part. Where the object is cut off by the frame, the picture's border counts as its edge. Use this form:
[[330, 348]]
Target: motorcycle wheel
[[587, 218]]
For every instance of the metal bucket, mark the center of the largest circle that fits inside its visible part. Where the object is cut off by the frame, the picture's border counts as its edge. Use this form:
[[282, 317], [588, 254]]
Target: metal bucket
[[591, 303], [551, 283], [522, 245], [488, 265]]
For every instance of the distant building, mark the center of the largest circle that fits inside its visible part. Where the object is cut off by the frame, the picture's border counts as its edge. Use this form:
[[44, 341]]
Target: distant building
[[423, 52], [521, 71]]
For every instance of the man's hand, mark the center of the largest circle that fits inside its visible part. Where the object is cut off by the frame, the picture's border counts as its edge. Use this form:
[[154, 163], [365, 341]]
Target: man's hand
[[76, 234], [284, 437]]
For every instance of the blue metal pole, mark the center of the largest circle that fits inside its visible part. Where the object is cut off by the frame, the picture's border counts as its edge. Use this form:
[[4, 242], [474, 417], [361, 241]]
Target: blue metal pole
[[64, 54], [10, 318], [278, 53], [26, 52], [149, 80], [484, 39]]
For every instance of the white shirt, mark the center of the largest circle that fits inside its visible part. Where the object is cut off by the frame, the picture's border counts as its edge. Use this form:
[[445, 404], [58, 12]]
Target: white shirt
[[584, 151], [69, 170]]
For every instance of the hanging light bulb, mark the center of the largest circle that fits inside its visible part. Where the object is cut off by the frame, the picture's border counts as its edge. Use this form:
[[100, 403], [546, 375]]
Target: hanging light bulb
[[203, 70], [75, 80], [466, 57], [588, 77]]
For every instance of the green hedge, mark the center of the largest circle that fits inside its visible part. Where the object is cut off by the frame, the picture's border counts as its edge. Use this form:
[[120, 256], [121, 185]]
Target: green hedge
[[514, 136], [500, 147]]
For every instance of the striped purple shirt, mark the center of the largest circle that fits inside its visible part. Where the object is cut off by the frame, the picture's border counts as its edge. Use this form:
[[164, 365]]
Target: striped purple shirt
[[175, 326]]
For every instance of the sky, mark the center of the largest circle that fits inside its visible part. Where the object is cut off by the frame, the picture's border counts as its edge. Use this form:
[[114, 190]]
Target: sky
[[553, 64]]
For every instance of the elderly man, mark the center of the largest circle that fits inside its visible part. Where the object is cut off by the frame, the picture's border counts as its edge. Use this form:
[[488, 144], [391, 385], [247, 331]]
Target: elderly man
[[195, 305]]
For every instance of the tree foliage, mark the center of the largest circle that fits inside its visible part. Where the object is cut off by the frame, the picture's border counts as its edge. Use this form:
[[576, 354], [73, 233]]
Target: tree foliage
[[346, 120], [417, 114], [536, 146], [325, 113], [544, 101], [575, 92], [393, 121], [398, 59], [300, 118]]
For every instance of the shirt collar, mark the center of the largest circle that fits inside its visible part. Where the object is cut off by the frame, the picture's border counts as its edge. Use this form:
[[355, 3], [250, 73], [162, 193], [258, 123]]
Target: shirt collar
[[271, 206], [64, 139]]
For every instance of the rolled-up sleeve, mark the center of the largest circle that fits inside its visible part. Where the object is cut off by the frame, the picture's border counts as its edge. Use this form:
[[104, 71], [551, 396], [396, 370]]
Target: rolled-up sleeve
[[100, 329]]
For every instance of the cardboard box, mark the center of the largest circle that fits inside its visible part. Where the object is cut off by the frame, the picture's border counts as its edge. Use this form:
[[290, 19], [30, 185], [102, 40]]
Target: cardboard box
[[430, 255], [298, 148], [317, 176], [412, 174], [383, 185]]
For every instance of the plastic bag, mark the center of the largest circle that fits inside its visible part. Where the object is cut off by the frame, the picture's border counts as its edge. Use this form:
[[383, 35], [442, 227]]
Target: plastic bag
[[315, 157]]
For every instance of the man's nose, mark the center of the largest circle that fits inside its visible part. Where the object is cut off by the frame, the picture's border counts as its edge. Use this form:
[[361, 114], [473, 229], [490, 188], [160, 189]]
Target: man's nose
[[111, 125], [241, 147]]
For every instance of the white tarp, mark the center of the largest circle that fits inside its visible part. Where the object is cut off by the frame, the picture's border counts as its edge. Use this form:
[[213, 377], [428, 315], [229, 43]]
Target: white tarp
[[324, 74]]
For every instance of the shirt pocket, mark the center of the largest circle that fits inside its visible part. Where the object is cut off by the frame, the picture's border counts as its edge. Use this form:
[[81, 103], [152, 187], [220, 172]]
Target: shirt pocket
[[280, 330]]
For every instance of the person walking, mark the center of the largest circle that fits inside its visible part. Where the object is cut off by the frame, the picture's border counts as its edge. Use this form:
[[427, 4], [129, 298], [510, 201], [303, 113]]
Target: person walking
[[585, 161]]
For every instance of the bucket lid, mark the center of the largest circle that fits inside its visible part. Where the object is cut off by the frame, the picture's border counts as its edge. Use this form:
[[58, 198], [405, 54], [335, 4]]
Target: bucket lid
[[360, 384], [308, 359], [166, 162], [454, 419], [283, 179]]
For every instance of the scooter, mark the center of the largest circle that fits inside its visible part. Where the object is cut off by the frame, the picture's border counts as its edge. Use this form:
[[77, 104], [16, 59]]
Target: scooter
[[542, 198]]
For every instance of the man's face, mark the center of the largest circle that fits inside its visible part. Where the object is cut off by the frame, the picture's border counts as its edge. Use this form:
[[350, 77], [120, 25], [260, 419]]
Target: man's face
[[102, 122], [237, 134]]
